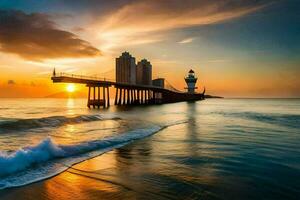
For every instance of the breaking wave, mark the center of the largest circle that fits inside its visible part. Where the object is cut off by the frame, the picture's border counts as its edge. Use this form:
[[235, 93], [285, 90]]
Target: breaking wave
[[53, 121], [28, 163]]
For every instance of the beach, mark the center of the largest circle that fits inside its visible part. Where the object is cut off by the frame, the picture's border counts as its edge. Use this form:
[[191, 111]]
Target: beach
[[150, 100], [125, 173], [213, 149]]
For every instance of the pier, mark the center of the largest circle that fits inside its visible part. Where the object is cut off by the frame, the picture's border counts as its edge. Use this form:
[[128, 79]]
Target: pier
[[125, 93], [133, 85]]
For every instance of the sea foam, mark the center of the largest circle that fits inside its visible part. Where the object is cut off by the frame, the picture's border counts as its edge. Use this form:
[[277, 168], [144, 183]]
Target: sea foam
[[25, 157], [20, 162]]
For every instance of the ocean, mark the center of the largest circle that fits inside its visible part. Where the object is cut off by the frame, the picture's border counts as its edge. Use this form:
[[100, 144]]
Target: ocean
[[212, 149]]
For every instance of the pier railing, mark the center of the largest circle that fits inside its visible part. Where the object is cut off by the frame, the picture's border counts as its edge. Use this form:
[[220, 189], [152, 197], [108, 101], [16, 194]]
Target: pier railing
[[126, 93], [167, 86], [84, 77]]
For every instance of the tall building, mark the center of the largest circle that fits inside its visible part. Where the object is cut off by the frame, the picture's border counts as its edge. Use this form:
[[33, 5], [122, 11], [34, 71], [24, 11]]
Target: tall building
[[191, 80], [144, 73], [126, 69]]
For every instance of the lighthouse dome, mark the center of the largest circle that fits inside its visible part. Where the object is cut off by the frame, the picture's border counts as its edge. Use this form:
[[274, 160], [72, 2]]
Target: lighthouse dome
[[191, 71]]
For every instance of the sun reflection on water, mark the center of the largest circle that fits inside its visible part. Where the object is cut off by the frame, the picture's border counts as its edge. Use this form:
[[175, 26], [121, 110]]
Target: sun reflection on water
[[70, 106]]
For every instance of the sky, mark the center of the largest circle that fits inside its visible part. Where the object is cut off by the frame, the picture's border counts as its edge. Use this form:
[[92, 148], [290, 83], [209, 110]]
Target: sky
[[238, 48]]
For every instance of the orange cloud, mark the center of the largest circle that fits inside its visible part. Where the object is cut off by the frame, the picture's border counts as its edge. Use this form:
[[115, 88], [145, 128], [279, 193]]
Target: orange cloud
[[149, 15], [142, 20]]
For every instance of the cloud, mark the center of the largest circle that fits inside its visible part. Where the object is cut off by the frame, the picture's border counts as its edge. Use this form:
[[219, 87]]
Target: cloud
[[35, 37], [11, 82], [218, 61], [149, 17], [121, 23], [187, 40], [110, 24]]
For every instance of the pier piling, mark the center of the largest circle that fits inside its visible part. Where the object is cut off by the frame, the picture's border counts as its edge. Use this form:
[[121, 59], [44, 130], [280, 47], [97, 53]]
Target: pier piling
[[96, 100]]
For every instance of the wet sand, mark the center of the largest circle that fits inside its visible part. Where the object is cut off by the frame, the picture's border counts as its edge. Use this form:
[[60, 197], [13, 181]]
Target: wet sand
[[97, 178], [130, 172]]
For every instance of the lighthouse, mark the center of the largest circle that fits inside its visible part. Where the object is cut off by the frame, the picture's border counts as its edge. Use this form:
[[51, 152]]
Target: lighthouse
[[191, 80]]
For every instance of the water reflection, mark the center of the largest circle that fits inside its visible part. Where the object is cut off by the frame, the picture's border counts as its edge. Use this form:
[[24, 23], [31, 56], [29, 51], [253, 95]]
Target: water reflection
[[216, 154], [70, 106]]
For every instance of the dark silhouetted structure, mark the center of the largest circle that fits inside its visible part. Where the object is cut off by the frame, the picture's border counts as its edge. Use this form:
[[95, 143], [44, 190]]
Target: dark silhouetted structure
[[126, 69], [133, 85], [191, 80], [159, 82], [144, 73]]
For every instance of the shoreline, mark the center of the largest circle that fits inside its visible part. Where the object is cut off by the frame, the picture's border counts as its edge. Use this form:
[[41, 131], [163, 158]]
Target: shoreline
[[79, 171], [123, 172], [90, 159]]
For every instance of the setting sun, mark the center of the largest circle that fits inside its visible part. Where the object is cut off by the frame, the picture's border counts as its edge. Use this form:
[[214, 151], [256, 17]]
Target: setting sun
[[70, 88]]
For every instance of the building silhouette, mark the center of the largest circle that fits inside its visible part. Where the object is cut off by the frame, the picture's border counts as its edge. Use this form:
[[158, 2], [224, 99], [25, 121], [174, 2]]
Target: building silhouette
[[126, 69], [159, 82], [144, 73]]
